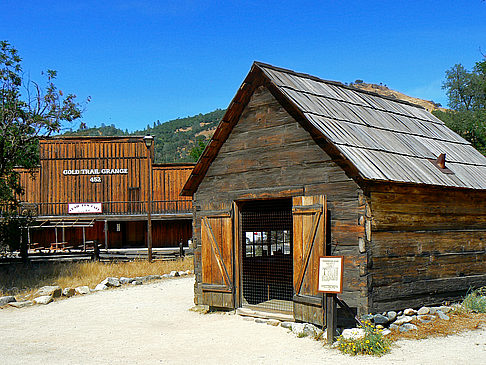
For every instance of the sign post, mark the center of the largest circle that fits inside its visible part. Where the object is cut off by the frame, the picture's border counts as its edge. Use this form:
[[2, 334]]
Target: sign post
[[330, 283]]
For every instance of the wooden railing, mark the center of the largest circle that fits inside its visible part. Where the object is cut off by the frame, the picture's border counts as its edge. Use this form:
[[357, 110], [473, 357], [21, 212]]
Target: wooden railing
[[118, 208]]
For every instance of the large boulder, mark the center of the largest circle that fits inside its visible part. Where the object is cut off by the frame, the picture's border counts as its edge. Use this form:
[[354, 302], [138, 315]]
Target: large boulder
[[54, 291], [45, 299], [6, 300]]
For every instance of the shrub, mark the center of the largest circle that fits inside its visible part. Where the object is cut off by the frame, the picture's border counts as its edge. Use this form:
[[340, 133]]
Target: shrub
[[373, 342], [475, 301]]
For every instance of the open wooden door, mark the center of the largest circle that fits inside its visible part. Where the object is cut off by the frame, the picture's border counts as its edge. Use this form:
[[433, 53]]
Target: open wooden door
[[217, 260], [309, 238]]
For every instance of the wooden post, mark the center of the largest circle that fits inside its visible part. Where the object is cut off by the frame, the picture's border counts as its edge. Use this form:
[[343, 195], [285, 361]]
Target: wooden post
[[84, 239], [106, 234], [331, 317], [149, 204]]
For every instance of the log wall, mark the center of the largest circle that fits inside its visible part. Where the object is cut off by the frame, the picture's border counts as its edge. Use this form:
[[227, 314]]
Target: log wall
[[428, 245], [269, 155]]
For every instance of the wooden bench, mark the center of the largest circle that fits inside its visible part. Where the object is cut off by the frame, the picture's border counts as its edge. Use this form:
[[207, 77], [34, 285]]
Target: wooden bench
[[60, 246]]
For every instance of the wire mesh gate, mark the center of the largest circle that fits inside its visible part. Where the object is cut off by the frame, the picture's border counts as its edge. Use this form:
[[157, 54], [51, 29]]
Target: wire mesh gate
[[267, 269]]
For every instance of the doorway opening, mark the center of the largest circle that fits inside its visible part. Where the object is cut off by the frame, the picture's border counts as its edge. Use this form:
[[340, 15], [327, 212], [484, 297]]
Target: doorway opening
[[267, 255]]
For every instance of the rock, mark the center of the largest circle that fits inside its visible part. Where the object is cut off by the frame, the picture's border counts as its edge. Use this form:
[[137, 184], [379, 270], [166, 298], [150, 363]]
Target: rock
[[82, 290], [44, 299], [367, 317], [445, 309], [166, 276], [111, 282], [409, 312], [443, 316], [273, 322], [174, 274], [124, 280], [182, 273], [380, 319], [353, 333], [423, 311], [7, 299], [432, 310], [403, 319], [188, 272], [298, 328], [394, 327], [22, 304], [68, 292], [152, 277], [379, 326], [137, 282], [386, 332], [407, 327], [311, 330], [54, 291], [392, 315], [286, 325], [426, 318], [400, 313], [100, 286], [261, 320]]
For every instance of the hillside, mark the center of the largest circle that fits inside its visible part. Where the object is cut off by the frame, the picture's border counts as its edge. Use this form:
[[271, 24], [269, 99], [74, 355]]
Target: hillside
[[173, 139], [385, 91]]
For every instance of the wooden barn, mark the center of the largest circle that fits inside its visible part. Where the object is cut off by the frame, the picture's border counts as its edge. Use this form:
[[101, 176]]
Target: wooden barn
[[300, 167], [98, 189]]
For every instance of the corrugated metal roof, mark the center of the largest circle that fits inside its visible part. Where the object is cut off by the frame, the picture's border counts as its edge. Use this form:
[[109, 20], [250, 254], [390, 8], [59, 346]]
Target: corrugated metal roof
[[385, 139]]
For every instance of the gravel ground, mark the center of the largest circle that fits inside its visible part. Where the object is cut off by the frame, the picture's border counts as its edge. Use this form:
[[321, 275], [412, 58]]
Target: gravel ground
[[152, 324]]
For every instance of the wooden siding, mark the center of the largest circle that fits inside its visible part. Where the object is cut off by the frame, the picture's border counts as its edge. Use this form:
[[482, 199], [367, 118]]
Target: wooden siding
[[428, 245], [269, 155], [29, 180], [168, 181]]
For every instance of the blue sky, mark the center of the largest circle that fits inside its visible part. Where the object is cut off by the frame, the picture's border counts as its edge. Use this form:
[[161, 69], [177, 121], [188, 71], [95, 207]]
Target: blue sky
[[142, 61]]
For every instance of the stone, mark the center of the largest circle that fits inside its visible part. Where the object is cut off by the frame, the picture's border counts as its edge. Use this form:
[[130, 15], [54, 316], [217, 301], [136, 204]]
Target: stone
[[298, 328], [166, 276], [423, 311], [44, 299], [22, 304], [392, 315], [273, 322], [403, 319], [394, 327], [432, 310], [400, 313], [7, 299], [442, 315], [124, 280], [100, 286], [54, 291], [137, 282], [386, 332], [426, 318], [379, 326], [380, 319], [68, 292], [174, 274], [445, 309], [261, 320], [111, 282], [353, 333], [182, 273], [188, 272], [311, 330], [409, 312], [408, 327], [286, 325], [367, 317], [82, 290]]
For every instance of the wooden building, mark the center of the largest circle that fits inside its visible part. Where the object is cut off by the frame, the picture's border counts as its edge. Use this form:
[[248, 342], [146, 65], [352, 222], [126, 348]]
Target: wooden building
[[97, 189], [301, 167]]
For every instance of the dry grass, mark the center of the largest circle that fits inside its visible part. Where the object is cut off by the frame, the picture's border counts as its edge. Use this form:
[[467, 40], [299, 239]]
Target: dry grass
[[459, 322], [25, 279]]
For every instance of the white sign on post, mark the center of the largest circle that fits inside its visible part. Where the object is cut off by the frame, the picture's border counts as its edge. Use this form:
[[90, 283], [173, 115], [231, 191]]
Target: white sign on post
[[330, 274], [84, 208]]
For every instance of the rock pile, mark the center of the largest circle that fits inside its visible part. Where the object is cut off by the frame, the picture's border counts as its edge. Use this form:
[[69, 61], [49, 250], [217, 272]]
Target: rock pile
[[46, 294]]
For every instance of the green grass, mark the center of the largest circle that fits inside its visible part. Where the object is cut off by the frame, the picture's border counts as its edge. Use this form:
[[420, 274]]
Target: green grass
[[475, 301], [373, 343]]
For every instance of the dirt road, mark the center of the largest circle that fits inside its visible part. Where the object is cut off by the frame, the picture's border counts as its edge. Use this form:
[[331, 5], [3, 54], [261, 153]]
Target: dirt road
[[152, 324]]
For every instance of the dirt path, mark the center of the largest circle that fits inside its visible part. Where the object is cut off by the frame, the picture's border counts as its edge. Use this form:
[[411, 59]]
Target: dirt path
[[151, 324]]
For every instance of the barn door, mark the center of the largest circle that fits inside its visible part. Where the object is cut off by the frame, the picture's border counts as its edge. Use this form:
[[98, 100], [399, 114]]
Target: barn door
[[309, 236], [217, 260]]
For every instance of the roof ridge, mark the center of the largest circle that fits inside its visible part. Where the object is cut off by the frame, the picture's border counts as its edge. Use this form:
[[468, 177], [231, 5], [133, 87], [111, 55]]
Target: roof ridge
[[335, 83]]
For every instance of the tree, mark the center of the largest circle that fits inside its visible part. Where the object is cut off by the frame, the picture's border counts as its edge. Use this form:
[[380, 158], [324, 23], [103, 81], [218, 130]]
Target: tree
[[466, 91], [198, 149], [27, 111]]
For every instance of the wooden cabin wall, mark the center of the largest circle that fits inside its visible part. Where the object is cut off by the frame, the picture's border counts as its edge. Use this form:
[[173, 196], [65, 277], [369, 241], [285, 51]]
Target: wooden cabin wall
[[58, 189], [171, 232], [30, 182], [428, 245], [269, 155], [168, 181]]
